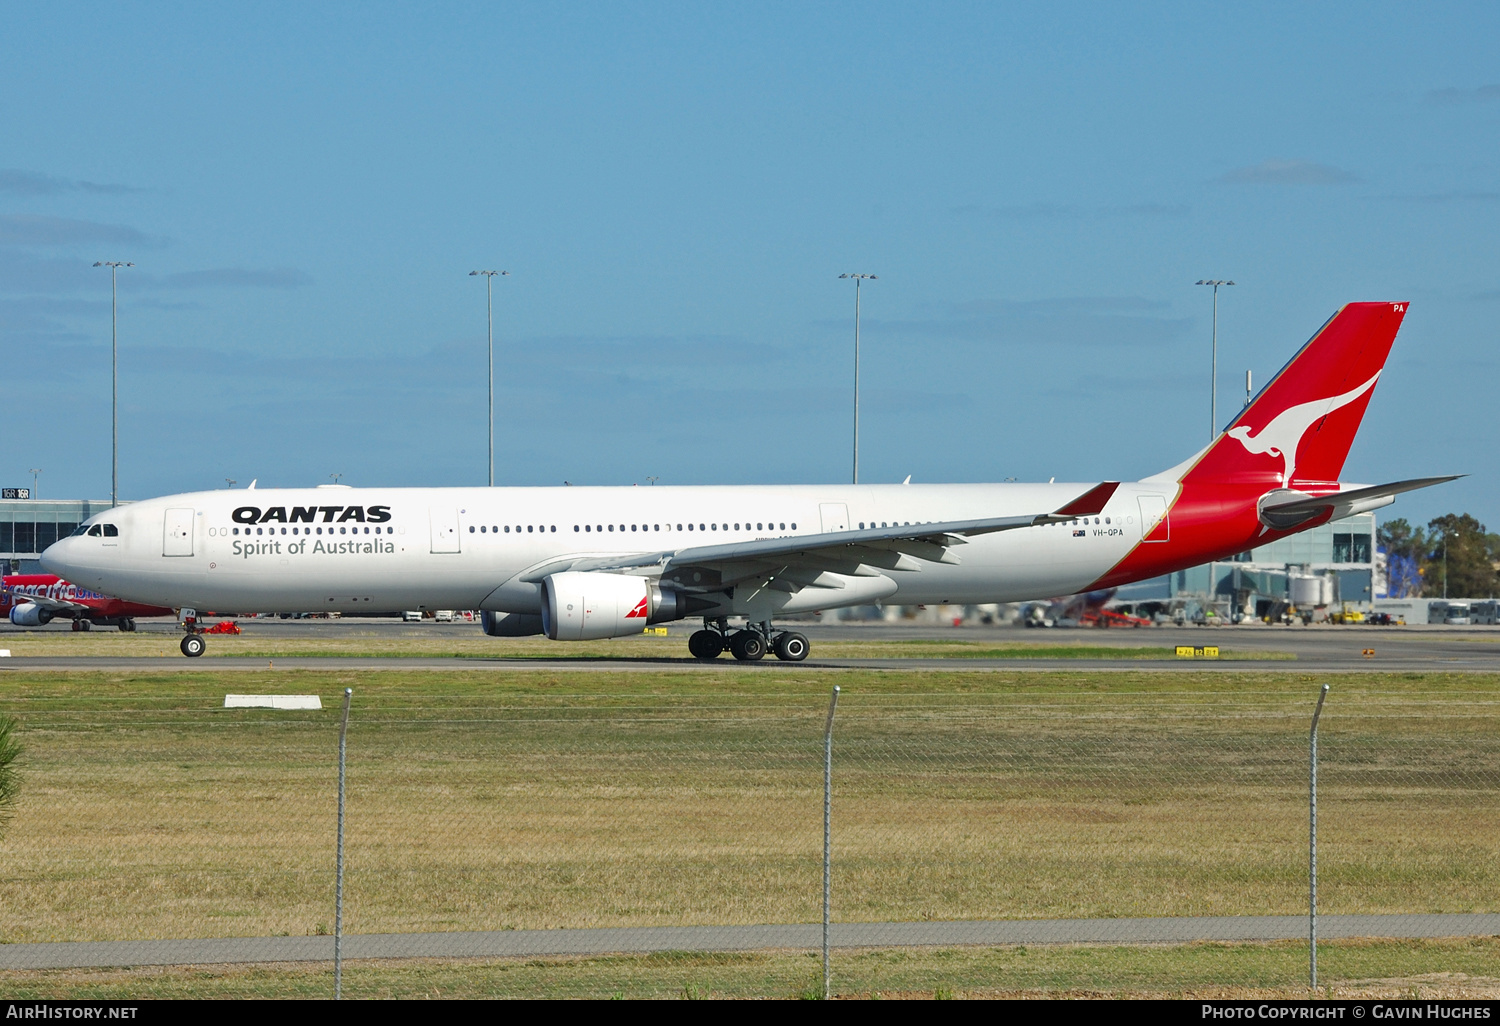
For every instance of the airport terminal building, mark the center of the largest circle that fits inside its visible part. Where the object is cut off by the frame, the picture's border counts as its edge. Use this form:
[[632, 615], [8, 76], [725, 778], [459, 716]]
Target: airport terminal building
[[1326, 566], [27, 526]]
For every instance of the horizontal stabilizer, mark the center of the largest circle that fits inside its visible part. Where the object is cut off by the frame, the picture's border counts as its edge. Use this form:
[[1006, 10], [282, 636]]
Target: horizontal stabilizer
[[1284, 509]]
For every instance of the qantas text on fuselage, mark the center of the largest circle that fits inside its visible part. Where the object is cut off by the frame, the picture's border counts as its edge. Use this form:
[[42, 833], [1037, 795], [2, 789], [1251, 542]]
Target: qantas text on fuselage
[[583, 563]]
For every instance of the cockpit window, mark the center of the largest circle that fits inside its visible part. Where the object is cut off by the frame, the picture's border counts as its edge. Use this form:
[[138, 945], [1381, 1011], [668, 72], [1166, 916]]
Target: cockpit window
[[81, 529], [95, 531], [111, 531]]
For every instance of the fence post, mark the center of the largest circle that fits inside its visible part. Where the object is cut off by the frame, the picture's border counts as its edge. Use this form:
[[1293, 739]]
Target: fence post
[[338, 884], [833, 704], [1312, 845]]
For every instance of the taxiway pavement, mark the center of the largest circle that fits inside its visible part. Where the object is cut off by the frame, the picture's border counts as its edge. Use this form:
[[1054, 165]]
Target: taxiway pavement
[[1316, 649]]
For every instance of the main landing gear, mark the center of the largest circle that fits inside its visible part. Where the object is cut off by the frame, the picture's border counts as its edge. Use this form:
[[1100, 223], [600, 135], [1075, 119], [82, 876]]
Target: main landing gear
[[125, 623], [748, 644]]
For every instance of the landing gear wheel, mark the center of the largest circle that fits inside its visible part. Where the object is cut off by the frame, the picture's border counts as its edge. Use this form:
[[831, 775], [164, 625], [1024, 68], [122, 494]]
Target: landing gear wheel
[[192, 646], [747, 646], [127, 624], [84, 625], [790, 647], [78, 625], [706, 644]]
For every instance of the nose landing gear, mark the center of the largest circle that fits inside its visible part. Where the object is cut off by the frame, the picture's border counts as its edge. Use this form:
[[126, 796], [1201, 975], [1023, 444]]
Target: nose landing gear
[[192, 644], [747, 645]]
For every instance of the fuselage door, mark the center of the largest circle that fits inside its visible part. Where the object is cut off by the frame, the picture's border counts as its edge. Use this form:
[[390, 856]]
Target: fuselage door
[[835, 516], [177, 533], [444, 528], [1154, 524]]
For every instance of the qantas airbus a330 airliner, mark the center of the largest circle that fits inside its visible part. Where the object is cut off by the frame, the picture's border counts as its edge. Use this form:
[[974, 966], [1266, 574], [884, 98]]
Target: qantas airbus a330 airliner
[[583, 563]]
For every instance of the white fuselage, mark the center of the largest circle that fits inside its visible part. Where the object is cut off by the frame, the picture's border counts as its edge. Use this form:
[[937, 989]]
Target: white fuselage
[[347, 549]]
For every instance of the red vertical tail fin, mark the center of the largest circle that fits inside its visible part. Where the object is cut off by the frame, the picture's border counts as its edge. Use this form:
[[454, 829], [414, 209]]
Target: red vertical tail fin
[[1298, 431]]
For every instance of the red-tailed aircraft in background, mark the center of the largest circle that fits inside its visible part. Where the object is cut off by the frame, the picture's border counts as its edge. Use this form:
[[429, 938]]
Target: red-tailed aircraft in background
[[31, 600]]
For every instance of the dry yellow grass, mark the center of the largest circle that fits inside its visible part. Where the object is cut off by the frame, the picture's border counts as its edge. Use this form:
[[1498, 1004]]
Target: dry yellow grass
[[1452, 969], [552, 800]]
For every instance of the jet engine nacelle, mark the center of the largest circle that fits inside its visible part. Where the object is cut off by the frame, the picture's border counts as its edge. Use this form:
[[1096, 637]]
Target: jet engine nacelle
[[29, 614], [588, 606]]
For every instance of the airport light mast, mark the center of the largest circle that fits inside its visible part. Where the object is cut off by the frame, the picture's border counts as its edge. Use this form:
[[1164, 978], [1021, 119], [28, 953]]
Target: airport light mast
[[114, 376], [1213, 393], [858, 280], [489, 310]]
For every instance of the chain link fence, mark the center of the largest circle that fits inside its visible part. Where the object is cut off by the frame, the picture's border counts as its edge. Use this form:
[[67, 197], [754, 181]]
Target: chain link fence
[[598, 845]]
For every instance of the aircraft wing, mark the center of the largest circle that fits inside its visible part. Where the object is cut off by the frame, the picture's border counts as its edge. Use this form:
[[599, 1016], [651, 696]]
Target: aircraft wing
[[51, 605], [1284, 509], [891, 548]]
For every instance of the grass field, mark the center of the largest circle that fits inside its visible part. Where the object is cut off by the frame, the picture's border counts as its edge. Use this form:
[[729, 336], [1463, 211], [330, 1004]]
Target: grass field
[[428, 644], [1359, 969], [485, 800]]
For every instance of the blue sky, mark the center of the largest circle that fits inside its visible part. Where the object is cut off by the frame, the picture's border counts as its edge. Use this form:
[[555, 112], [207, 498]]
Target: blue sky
[[675, 189]]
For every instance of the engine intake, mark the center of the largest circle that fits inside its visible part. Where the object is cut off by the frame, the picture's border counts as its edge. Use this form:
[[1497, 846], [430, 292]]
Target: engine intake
[[29, 614]]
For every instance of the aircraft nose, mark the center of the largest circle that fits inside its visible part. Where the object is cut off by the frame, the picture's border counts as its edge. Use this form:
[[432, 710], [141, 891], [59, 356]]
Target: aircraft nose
[[58, 558]]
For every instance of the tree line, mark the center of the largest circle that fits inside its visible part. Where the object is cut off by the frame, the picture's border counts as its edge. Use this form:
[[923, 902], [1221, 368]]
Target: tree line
[[1455, 556]]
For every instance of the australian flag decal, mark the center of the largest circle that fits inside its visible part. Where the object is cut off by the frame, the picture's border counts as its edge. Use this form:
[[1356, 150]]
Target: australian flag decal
[[1078, 534]]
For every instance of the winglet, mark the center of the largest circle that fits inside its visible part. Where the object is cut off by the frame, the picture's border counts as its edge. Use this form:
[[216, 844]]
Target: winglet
[[1090, 502]]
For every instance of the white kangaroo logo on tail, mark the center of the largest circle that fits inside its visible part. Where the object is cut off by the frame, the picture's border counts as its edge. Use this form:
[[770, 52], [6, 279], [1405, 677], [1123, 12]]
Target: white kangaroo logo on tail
[[1284, 433]]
